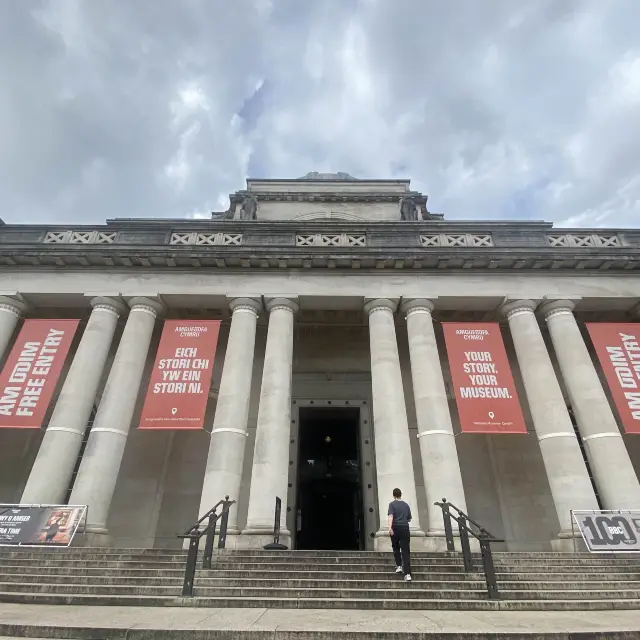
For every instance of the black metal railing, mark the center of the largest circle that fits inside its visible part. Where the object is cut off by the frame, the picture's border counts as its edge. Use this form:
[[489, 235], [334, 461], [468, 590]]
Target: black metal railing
[[275, 545], [194, 535], [468, 527]]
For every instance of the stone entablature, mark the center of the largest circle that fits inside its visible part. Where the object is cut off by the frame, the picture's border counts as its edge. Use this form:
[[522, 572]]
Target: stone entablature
[[323, 243]]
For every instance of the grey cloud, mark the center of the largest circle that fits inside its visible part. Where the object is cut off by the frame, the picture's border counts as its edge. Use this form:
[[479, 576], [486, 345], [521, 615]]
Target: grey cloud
[[496, 109]]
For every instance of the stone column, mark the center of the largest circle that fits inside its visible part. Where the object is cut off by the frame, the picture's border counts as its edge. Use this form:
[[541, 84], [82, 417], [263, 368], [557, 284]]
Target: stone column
[[566, 471], [394, 465], [51, 473], [229, 434], [613, 472], [270, 472], [11, 310], [98, 473], [440, 465]]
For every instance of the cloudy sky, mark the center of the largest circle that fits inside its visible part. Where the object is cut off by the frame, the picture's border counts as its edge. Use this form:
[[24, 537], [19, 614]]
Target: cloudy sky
[[498, 109]]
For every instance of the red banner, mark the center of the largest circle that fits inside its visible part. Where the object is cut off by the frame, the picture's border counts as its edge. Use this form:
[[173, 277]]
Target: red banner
[[179, 387], [618, 349], [31, 372], [484, 388]]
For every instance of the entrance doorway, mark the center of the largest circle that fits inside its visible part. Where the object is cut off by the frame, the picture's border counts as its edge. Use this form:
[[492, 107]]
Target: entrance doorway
[[329, 509]]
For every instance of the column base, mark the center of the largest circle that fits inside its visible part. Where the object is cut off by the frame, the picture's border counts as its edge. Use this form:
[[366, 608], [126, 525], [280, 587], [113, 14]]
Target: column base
[[93, 539], [232, 537], [258, 538], [437, 543], [382, 539], [567, 543]]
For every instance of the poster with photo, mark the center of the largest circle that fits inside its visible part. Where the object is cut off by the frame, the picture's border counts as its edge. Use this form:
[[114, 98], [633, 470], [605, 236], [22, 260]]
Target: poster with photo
[[39, 525]]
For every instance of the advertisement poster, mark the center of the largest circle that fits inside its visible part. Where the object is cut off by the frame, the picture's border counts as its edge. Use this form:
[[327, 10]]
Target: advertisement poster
[[39, 525], [484, 388], [179, 387], [31, 372], [618, 348]]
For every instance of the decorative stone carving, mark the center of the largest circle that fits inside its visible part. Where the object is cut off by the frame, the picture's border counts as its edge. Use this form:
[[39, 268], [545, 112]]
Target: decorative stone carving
[[249, 208], [408, 210], [210, 239], [583, 240], [462, 240], [80, 237], [331, 240]]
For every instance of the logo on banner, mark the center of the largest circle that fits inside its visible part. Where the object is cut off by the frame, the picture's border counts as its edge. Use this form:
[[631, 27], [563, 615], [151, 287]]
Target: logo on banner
[[609, 531], [618, 350], [181, 377], [32, 370], [484, 388]]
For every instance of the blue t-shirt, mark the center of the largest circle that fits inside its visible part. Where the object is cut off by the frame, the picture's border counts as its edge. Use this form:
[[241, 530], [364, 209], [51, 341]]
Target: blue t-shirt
[[401, 513]]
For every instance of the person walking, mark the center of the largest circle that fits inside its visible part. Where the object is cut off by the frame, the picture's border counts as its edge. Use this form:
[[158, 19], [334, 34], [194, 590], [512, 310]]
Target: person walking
[[399, 518]]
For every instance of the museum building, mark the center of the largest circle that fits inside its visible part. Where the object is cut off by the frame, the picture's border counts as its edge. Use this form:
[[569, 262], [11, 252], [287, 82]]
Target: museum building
[[340, 340]]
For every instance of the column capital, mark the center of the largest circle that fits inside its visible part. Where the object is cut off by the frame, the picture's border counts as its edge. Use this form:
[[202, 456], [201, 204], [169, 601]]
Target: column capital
[[287, 304], [148, 305], [13, 305], [247, 305], [417, 305], [107, 303], [551, 308], [512, 308], [380, 304]]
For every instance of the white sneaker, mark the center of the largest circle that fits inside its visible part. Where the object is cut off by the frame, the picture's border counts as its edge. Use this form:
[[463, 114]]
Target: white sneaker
[[407, 578], [398, 569]]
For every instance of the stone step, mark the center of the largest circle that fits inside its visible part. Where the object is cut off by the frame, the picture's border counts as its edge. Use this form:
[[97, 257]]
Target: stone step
[[106, 560], [395, 582], [290, 552], [406, 591], [382, 575], [91, 575], [324, 603], [424, 565], [62, 632], [363, 558], [178, 568]]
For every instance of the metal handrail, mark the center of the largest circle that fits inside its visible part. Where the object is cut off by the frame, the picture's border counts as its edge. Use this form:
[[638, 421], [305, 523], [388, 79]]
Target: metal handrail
[[275, 545], [194, 535], [481, 535]]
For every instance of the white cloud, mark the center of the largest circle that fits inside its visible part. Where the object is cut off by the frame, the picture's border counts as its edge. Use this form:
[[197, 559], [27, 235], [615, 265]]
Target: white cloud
[[496, 109]]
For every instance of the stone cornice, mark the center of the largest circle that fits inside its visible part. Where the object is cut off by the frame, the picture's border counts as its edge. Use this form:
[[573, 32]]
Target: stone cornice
[[324, 196], [489, 259], [301, 244]]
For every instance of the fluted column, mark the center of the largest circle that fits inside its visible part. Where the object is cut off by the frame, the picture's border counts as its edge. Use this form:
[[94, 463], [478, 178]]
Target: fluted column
[[98, 473], [270, 472], [394, 465], [51, 473], [11, 310], [612, 468], [229, 434], [440, 464], [566, 471]]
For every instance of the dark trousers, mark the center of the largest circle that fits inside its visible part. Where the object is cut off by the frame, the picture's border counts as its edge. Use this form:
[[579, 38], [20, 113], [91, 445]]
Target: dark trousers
[[400, 542]]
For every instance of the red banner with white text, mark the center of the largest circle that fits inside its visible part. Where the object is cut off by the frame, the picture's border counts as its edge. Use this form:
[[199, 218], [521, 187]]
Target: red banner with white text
[[31, 372], [484, 388], [618, 348], [179, 386]]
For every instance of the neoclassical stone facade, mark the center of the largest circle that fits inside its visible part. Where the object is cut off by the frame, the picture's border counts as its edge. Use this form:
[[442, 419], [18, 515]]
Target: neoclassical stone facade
[[331, 384]]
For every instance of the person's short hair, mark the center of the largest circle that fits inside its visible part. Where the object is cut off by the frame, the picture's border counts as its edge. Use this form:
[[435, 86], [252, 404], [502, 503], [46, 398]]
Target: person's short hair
[[397, 493]]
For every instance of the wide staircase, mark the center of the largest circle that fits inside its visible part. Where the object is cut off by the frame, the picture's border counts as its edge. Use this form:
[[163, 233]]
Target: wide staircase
[[317, 580]]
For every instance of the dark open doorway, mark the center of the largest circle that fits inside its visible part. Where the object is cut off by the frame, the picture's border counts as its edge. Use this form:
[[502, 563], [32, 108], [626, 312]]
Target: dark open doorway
[[329, 489]]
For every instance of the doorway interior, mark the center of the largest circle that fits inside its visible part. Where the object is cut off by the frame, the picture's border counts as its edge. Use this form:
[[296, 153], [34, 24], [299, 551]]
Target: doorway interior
[[330, 508]]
